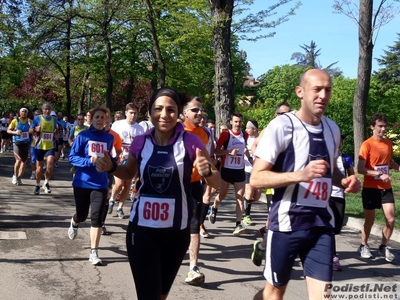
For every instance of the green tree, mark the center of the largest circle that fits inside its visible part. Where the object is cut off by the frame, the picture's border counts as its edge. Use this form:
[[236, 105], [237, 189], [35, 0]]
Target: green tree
[[389, 74], [278, 85], [340, 108], [222, 13], [310, 59], [368, 21]]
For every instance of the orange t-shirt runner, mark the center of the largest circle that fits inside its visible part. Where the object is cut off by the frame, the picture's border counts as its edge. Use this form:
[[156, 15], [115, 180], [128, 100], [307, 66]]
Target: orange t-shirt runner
[[202, 134], [378, 159]]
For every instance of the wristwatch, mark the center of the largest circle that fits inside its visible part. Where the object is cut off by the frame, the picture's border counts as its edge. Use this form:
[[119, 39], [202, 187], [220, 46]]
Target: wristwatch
[[380, 174]]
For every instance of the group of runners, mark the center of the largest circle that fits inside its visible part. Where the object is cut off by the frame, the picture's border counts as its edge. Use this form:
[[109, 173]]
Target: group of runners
[[172, 168]]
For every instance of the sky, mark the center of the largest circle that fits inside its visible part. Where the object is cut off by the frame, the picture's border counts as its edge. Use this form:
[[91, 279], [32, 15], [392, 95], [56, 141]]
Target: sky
[[335, 34]]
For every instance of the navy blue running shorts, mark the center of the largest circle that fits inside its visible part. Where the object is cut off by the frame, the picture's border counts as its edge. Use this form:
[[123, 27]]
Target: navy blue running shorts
[[41, 154], [314, 246]]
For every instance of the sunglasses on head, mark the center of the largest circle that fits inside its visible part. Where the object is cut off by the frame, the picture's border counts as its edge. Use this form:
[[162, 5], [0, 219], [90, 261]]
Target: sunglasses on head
[[284, 112], [195, 109]]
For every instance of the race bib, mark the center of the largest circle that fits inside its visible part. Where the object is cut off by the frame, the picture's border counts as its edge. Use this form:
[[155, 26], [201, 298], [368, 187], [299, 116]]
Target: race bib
[[383, 168], [47, 136], [125, 150], [96, 148], [25, 135], [234, 162], [156, 212], [315, 193]]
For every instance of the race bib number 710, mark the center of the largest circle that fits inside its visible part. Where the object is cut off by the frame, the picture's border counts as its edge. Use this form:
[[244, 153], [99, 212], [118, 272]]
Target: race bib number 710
[[315, 193]]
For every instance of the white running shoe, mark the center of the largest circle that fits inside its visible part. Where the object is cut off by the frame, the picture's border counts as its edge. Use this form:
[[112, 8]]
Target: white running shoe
[[46, 188], [72, 231], [94, 257], [14, 180], [386, 253], [364, 251]]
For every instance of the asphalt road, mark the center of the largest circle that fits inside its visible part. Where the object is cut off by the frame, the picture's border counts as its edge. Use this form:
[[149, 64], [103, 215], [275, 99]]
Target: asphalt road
[[47, 265]]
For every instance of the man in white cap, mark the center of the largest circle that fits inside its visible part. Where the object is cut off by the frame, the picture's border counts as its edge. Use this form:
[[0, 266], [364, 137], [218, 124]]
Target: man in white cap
[[44, 127], [19, 129]]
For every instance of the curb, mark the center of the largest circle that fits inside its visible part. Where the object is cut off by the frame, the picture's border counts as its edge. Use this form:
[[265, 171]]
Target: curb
[[356, 224], [376, 230]]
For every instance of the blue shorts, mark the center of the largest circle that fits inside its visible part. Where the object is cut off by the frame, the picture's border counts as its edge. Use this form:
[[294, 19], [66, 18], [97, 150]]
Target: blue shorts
[[33, 155], [41, 154], [314, 246]]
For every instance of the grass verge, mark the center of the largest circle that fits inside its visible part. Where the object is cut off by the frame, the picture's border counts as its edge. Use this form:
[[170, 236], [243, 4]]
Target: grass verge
[[354, 203]]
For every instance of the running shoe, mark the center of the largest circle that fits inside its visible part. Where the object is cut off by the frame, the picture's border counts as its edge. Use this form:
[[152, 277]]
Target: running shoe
[[336, 264], [94, 257], [46, 188], [203, 232], [386, 253], [364, 251], [239, 229], [62, 156], [104, 230], [72, 230], [56, 165], [37, 190], [14, 180], [258, 254], [195, 277], [19, 182], [120, 213], [110, 207], [33, 176], [248, 221], [212, 217]]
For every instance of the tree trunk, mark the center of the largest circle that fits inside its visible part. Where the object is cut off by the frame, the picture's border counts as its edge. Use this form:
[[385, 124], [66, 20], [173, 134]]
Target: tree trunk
[[109, 74], [156, 45], [365, 33], [68, 68], [106, 39], [221, 11], [81, 109]]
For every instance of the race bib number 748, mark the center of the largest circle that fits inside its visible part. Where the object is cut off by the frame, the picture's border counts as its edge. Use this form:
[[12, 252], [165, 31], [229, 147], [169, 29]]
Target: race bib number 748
[[315, 193]]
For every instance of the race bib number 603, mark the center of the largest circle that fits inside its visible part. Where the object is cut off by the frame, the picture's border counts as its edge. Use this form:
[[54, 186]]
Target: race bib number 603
[[156, 212]]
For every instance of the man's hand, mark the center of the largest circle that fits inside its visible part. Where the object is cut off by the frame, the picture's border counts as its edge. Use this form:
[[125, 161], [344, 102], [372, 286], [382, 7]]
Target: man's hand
[[103, 164], [234, 151], [315, 169], [351, 184], [386, 178]]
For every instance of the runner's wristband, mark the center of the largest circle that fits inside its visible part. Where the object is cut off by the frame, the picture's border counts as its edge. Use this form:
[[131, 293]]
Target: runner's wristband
[[114, 167], [210, 172]]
